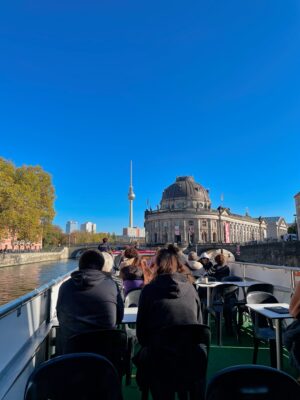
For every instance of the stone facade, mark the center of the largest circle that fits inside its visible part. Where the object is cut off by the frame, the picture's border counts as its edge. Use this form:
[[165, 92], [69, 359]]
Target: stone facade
[[276, 227], [185, 216]]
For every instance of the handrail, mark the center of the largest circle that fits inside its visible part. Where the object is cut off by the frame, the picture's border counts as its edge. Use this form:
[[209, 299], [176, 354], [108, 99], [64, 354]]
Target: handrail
[[269, 266], [20, 301]]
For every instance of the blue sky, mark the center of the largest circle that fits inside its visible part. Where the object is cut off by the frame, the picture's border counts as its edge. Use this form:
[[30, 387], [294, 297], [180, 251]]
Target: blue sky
[[203, 88]]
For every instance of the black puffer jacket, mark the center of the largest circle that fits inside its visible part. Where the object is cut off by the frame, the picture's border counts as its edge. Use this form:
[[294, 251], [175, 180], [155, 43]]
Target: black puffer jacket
[[89, 300], [168, 300], [219, 272]]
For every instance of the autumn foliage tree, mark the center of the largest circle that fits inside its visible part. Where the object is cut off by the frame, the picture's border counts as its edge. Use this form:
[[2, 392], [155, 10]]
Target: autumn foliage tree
[[26, 201]]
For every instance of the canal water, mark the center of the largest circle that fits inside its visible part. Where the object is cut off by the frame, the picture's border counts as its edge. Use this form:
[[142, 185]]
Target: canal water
[[17, 280]]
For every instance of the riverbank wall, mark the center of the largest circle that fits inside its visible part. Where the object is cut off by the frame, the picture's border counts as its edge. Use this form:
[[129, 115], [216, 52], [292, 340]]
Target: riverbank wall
[[277, 253], [9, 259]]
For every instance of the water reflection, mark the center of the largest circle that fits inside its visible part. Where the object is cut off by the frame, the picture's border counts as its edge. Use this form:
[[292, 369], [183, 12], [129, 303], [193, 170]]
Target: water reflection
[[15, 281]]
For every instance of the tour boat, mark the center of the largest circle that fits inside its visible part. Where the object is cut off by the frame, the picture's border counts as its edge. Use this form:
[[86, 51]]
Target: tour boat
[[26, 330]]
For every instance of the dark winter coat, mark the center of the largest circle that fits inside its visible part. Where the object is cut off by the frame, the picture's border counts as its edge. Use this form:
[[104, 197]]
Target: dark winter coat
[[89, 300], [170, 299], [219, 272]]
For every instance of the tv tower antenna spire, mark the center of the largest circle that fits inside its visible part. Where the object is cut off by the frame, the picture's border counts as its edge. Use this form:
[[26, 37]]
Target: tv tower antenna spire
[[131, 197]]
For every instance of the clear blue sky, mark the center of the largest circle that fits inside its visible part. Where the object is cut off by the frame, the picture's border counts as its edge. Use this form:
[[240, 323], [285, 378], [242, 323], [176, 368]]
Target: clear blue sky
[[204, 88]]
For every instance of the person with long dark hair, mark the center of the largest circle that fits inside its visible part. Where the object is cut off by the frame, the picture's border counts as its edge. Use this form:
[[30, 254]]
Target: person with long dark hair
[[131, 270], [169, 299]]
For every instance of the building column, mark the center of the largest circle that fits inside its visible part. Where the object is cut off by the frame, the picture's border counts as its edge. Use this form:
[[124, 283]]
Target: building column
[[184, 236], [199, 239]]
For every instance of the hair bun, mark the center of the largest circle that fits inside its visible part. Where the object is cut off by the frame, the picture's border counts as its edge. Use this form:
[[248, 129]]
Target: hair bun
[[172, 249]]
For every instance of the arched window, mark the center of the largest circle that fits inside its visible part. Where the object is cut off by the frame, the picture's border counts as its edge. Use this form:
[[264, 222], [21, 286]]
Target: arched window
[[204, 237], [214, 237]]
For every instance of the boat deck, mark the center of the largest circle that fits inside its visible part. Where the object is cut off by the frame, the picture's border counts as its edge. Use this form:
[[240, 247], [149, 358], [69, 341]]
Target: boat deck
[[231, 353]]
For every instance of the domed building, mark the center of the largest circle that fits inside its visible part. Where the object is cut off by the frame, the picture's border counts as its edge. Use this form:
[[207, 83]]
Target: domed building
[[185, 216]]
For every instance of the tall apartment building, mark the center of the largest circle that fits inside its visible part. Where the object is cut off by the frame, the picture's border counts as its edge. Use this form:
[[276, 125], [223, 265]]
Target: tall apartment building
[[88, 227], [71, 226]]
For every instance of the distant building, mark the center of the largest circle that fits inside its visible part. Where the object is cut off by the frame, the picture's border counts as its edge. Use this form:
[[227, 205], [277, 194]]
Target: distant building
[[276, 227], [185, 216], [88, 227], [134, 232], [297, 201], [71, 226], [8, 242]]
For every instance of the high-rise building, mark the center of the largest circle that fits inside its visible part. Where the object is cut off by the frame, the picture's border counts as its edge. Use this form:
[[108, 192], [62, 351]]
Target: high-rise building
[[71, 226], [88, 227]]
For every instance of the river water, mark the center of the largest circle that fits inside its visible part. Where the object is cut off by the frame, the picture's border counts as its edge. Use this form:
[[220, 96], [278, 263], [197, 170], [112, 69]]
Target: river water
[[17, 280]]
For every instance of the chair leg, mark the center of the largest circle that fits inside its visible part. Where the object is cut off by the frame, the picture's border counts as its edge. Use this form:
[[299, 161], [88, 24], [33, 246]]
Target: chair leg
[[219, 328], [128, 362], [273, 360], [255, 350]]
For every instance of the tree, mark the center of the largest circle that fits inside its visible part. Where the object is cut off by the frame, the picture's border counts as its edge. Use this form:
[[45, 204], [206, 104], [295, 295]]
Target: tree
[[293, 228], [26, 201], [53, 235]]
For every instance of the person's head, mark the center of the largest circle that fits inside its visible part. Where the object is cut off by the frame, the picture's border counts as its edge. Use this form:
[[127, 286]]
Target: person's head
[[204, 258], [168, 261], [131, 252], [108, 262], [91, 259], [193, 256], [220, 259], [105, 240]]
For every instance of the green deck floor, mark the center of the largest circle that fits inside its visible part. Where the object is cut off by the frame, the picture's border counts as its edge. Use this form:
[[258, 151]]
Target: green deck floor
[[231, 353]]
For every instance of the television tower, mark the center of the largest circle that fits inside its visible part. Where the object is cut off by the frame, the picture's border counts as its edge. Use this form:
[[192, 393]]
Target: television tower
[[131, 197]]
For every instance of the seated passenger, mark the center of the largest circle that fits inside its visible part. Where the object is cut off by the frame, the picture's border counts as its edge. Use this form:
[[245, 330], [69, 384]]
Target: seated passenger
[[194, 265], [220, 270], [169, 299], [205, 261], [89, 300], [147, 271], [109, 268], [292, 333], [131, 271]]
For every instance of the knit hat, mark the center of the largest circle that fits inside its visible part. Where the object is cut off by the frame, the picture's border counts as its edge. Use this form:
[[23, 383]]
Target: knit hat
[[193, 256], [204, 255]]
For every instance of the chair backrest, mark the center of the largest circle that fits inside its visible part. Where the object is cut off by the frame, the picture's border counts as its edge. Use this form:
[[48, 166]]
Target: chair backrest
[[74, 376], [225, 293], [179, 353], [259, 321], [260, 298], [132, 298], [252, 382], [261, 287], [110, 343], [232, 278]]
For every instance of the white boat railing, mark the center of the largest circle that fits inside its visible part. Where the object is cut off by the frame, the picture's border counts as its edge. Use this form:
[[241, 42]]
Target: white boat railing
[[282, 277], [24, 325]]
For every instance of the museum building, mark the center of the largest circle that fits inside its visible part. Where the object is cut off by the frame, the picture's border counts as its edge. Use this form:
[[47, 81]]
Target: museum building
[[185, 216]]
